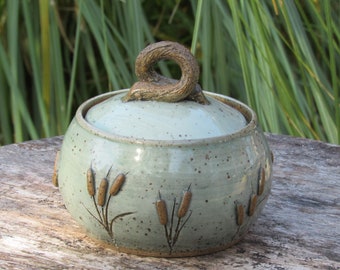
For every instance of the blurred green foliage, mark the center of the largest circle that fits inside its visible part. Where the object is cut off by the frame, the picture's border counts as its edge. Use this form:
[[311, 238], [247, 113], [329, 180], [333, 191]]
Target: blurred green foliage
[[282, 58]]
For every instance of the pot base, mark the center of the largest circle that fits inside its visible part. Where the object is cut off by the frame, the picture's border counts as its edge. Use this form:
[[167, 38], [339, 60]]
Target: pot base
[[173, 254]]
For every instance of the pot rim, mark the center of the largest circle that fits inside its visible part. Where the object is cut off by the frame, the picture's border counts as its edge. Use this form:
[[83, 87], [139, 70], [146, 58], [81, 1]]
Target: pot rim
[[246, 111]]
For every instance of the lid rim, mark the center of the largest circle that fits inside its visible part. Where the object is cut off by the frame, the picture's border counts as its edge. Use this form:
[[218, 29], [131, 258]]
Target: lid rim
[[247, 112]]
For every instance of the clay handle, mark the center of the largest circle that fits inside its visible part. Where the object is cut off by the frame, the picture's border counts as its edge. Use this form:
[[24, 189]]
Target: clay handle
[[153, 86]]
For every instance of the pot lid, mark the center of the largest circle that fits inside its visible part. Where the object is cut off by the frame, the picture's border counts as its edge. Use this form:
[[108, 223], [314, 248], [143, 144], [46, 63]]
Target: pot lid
[[159, 108], [154, 120]]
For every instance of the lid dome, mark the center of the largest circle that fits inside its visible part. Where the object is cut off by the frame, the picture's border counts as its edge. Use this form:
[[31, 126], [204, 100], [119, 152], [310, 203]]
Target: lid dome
[[154, 120]]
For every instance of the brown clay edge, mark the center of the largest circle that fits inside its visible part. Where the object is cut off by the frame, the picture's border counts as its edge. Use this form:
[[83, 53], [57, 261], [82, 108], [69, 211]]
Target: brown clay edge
[[174, 254]]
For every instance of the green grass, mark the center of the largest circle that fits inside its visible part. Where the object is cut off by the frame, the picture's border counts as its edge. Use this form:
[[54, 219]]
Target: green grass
[[282, 58]]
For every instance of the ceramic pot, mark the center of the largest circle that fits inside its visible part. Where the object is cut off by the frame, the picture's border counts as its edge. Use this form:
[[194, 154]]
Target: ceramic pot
[[164, 168]]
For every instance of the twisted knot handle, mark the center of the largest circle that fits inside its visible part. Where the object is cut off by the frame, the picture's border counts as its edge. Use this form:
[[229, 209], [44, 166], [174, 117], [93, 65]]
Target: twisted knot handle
[[153, 86]]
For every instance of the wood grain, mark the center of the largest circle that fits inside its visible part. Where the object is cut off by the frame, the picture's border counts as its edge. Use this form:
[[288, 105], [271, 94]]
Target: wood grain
[[298, 229]]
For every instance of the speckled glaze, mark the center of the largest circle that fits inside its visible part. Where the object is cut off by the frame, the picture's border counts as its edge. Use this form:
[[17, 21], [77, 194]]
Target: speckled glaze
[[163, 169], [168, 197]]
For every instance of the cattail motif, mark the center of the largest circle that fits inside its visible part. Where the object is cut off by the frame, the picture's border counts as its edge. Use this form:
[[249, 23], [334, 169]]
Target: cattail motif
[[162, 211], [117, 184], [240, 214], [102, 192], [262, 180], [90, 182], [55, 171], [184, 206], [252, 205], [174, 229], [102, 216]]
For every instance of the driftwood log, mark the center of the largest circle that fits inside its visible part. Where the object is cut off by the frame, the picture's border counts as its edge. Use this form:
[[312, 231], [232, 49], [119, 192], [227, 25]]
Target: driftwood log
[[298, 229]]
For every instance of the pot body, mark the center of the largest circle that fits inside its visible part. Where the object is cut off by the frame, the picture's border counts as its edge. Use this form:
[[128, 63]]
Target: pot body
[[165, 198]]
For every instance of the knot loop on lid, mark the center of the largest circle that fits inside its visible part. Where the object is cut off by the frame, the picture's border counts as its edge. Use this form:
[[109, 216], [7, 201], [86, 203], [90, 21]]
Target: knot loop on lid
[[153, 86]]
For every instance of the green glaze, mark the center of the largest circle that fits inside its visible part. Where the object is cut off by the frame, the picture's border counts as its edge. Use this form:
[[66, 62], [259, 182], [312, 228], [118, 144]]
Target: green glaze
[[154, 120], [223, 168]]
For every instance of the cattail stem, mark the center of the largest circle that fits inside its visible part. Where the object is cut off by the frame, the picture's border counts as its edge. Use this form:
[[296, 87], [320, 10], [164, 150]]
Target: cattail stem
[[168, 238], [96, 206], [172, 217], [179, 229], [177, 226]]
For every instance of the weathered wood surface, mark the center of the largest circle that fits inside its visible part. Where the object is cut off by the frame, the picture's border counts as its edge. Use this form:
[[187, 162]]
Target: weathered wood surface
[[298, 229]]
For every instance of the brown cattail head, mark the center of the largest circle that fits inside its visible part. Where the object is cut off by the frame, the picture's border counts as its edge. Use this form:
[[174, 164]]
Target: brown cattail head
[[184, 206], [90, 182], [55, 170], [102, 192], [252, 205], [162, 211], [261, 180], [240, 214], [117, 184]]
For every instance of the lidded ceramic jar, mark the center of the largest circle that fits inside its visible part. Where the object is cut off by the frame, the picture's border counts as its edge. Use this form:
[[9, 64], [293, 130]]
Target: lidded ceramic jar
[[164, 168]]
